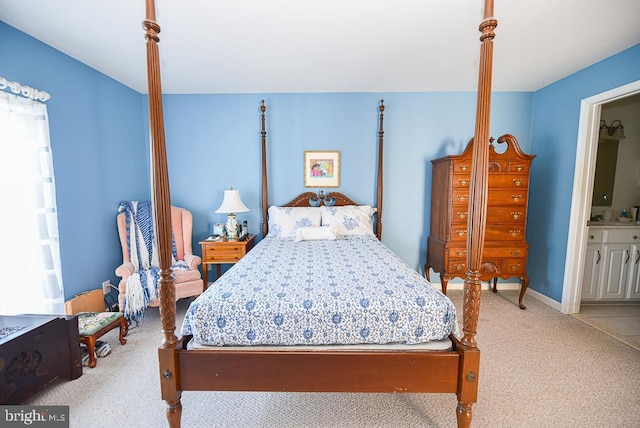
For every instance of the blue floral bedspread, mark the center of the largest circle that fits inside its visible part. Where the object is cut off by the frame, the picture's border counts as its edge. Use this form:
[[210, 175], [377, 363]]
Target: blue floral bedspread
[[353, 290]]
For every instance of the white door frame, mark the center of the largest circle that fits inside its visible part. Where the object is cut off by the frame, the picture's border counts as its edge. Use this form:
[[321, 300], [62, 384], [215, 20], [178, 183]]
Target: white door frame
[[586, 152]]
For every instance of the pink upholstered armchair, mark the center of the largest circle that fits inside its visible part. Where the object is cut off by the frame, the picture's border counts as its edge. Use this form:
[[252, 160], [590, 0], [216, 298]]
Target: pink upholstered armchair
[[139, 270]]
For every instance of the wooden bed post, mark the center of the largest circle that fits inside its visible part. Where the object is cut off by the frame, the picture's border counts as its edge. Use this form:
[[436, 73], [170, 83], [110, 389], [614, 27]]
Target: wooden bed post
[[265, 187], [380, 163], [476, 222], [161, 203]]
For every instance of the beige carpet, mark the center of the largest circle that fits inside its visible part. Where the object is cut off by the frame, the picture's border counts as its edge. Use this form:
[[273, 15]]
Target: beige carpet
[[539, 368]]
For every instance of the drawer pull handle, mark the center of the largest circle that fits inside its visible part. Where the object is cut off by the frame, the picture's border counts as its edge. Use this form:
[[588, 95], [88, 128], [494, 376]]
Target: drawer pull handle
[[464, 253], [514, 232], [459, 267], [516, 198], [462, 198], [462, 215], [516, 215], [518, 182], [515, 253], [591, 237], [461, 232], [515, 267], [464, 168], [635, 236], [464, 181], [518, 168]]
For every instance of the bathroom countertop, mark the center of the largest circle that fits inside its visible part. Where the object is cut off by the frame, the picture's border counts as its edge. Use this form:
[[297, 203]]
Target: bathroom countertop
[[614, 223]]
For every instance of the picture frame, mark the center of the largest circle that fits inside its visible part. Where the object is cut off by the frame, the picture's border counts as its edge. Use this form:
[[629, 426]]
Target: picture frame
[[321, 168]]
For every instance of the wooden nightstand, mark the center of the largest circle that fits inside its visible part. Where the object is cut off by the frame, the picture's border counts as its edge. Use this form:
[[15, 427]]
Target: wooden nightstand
[[222, 252]]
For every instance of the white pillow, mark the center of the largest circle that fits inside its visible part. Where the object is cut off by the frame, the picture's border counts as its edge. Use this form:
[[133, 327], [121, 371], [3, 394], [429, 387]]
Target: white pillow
[[316, 233], [283, 221], [349, 220]]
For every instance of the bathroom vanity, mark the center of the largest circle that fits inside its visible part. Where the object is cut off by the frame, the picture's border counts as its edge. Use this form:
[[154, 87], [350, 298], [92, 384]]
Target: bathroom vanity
[[612, 263]]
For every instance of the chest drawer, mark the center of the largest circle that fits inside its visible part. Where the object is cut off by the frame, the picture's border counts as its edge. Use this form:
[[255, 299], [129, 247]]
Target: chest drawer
[[515, 266], [493, 232], [508, 181], [504, 232], [460, 251], [489, 268], [505, 252], [496, 197], [494, 215], [505, 181]]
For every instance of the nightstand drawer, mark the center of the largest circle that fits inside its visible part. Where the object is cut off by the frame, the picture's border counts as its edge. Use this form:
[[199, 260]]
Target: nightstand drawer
[[223, 253]]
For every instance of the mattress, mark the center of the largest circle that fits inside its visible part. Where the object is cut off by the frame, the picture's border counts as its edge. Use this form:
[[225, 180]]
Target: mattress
[[432, 346], [353, 290]]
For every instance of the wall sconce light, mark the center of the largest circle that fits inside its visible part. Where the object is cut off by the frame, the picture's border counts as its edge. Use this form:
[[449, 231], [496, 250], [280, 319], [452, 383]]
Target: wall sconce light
[[613, 132], [231, 204]]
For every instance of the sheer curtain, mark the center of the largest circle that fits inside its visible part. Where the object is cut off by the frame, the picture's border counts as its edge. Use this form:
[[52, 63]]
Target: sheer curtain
[[31, 277]]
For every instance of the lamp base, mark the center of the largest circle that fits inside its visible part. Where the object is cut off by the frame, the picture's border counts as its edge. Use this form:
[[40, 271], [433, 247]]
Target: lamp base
[[232, 227]]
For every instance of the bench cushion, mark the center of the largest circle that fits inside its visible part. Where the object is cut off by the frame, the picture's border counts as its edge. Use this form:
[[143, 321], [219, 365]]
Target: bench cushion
[[89, 323]]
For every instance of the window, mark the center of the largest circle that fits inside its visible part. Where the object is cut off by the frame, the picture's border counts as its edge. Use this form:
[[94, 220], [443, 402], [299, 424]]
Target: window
[[31, 274]]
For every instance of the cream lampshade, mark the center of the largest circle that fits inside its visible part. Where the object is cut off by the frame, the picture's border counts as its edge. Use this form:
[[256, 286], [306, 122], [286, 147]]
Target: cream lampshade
[[231, 204]]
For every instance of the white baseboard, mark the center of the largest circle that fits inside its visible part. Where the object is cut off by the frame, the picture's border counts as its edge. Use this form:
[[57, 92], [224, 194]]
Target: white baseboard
[[544, 299], [508, 286]]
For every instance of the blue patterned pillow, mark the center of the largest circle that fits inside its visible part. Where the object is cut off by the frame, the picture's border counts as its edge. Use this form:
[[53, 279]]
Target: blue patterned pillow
[[349, 220], [283, 221]]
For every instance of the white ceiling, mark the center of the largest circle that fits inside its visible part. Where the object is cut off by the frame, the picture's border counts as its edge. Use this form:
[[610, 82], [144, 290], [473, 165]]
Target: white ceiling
[[252, 46]]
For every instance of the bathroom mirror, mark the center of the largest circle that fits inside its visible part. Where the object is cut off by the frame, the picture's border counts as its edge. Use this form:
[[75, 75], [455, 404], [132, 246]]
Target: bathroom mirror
[[605, 173]]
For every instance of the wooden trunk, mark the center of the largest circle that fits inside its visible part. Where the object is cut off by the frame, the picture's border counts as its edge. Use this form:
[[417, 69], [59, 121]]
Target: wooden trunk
[[35, 350]]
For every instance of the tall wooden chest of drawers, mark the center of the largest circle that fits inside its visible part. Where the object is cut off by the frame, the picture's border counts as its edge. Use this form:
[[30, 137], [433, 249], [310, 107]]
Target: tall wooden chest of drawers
[[505, 248]]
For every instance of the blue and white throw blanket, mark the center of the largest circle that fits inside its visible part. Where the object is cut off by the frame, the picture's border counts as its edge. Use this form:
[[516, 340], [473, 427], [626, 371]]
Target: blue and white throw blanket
[[352, 290], [142, 285]]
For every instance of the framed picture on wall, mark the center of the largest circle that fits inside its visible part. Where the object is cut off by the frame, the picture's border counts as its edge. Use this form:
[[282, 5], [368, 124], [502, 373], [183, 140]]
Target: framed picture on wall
[[321, 168]]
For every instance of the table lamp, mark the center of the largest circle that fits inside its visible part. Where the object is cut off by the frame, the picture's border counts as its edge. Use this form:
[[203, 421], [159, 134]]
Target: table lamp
[[231, 204]]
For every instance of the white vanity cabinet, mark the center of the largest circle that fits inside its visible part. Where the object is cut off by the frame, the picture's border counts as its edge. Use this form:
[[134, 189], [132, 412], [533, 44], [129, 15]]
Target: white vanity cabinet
[[633, 287], [592, 264], [612, 265]]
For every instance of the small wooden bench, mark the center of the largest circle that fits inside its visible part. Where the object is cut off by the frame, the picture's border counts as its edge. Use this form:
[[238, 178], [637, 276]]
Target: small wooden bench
[[92, 325]]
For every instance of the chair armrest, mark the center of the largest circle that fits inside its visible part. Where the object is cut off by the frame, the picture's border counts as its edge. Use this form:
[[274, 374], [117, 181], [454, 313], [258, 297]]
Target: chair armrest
[[193, 261], [125, 270]]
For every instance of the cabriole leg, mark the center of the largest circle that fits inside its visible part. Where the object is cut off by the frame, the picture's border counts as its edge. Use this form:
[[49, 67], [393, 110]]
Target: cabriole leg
[[523, 289]]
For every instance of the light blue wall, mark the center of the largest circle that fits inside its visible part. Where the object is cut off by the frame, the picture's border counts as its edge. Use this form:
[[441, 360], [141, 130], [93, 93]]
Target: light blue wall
[[98, 144], [556, 110]]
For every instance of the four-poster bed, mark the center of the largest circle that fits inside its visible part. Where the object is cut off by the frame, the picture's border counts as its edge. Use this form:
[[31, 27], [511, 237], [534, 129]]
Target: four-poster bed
[[454, 370]]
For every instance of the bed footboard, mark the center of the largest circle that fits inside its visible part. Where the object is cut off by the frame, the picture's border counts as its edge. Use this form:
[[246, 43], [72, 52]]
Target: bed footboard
[[317, 371]]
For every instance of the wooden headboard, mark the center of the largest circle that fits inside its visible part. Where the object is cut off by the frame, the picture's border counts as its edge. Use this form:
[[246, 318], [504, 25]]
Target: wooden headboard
[[310, 199]]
